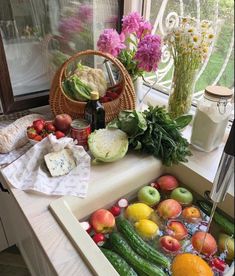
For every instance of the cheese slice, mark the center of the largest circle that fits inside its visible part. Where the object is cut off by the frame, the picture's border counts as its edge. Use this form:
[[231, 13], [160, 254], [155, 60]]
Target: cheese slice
[[60, 163]]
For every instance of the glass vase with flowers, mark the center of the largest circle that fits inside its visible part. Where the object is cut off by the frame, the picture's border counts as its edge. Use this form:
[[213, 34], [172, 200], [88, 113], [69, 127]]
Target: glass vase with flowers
[[137, 49], [188, 43]]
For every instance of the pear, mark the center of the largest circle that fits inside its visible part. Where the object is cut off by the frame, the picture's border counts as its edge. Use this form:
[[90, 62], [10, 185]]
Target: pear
[[223, 240]]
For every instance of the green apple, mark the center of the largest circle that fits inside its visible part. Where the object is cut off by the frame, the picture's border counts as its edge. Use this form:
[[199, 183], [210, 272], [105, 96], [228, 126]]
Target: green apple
[[149, 195], [182, 195], [226, 241]]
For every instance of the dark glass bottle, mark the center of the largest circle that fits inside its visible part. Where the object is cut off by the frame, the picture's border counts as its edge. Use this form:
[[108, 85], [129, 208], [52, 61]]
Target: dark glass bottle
[[94, 112]]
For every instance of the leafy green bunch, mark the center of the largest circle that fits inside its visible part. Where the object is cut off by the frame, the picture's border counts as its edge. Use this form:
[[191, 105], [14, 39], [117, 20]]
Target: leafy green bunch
[[154, 131]]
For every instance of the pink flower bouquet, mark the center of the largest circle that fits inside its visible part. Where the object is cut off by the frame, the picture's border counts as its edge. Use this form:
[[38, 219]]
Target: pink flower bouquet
[[137, 49]]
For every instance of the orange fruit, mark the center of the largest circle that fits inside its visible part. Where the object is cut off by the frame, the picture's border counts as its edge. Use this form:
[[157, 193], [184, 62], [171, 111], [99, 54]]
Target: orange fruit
[[190, 265]]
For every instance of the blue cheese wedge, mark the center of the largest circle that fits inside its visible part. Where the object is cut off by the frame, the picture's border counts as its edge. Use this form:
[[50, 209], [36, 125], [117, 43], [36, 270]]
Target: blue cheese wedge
[[60, 163]]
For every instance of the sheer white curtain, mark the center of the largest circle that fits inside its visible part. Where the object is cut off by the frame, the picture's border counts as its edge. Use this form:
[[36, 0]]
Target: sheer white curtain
[[39, 34]]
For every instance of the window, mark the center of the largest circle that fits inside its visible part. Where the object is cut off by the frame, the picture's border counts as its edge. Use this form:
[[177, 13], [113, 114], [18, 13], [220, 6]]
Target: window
[[36, 36], [218, 69]]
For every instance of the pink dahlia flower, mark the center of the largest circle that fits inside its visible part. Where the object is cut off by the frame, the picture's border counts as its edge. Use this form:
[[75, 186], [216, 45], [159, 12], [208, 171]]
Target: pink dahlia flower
[[149, 53], [131, 23], [111, 42]]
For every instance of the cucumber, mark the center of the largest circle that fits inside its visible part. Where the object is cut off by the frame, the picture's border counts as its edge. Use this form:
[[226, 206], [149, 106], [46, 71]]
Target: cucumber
[[119, 263], [139, 245], [121, 247], [220, 219]]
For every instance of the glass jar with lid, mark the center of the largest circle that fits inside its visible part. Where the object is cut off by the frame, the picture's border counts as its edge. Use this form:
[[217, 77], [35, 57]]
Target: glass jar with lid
[[211, 118]]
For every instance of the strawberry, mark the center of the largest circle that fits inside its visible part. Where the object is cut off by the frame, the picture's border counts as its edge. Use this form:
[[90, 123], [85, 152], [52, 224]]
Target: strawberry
[[38, 125], [31, 133], [30, 127], [44, 134], [59, 134], [37, 138], [49, 127]]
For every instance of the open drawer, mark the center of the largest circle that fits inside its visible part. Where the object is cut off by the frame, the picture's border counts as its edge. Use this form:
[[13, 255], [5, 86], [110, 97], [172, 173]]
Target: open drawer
[[109, 182]]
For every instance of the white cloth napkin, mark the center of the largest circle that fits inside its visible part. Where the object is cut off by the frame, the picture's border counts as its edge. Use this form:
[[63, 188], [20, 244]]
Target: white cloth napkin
[[29, 172]]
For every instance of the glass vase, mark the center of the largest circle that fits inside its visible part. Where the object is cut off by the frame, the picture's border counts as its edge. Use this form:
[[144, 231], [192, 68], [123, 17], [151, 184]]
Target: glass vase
[[138, 86], [182, 89]]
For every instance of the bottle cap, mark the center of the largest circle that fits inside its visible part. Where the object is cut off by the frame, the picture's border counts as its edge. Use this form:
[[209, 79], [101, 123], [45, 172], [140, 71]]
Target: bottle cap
[[94, 95], [218, 92]]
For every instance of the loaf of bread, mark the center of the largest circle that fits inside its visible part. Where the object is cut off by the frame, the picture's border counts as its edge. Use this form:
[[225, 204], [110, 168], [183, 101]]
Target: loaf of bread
[[15, 135]]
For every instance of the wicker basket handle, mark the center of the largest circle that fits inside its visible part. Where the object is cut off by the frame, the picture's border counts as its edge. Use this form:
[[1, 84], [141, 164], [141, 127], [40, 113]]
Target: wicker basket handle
[[109, 57]]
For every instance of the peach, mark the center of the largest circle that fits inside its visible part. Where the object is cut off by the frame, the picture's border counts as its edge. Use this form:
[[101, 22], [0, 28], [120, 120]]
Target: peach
[[191, 214], [169, 244], [177, 230], [167, 182], [169, 208], [102, 221], [208, 248]]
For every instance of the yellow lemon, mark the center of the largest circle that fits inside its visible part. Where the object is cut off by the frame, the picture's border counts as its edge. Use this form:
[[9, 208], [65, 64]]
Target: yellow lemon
[[138, 211], [146, 228]]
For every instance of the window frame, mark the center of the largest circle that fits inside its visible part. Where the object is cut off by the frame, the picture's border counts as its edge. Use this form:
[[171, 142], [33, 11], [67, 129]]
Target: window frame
[[10, 103], [145, 12]]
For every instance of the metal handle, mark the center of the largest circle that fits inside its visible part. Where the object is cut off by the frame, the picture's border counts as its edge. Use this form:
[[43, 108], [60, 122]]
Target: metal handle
[[223, 178], [229, 147], [225, 172]]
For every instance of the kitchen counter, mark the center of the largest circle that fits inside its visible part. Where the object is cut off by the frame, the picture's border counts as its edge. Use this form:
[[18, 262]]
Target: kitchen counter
[[57, 252], [57, 249], [53, 251]]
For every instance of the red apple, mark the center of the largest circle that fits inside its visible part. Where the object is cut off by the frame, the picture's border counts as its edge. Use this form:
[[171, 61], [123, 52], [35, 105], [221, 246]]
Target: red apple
[[102, 221], [169, 208], [167, 182], [63, 122], [177, 230], [209, 247], [169, 244], [191, 214]]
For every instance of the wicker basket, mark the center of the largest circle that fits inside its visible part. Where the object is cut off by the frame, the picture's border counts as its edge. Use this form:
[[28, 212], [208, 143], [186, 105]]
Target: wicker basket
[[61, 103]]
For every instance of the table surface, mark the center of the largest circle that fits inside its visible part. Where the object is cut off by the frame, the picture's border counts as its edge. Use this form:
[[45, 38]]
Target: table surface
[[56, 245]]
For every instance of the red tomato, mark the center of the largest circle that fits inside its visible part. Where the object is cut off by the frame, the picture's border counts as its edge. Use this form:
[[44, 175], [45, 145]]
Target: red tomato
[[59, 134]]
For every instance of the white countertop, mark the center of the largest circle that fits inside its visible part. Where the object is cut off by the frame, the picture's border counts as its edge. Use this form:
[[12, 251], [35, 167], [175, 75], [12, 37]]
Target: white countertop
[[56, 245]]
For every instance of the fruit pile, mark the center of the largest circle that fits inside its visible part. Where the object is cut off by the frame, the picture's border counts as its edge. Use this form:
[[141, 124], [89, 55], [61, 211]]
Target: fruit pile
[[159, 232], [41, 128]]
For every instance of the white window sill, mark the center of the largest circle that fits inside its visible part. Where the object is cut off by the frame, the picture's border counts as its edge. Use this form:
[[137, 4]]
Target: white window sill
[[203, 163]]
